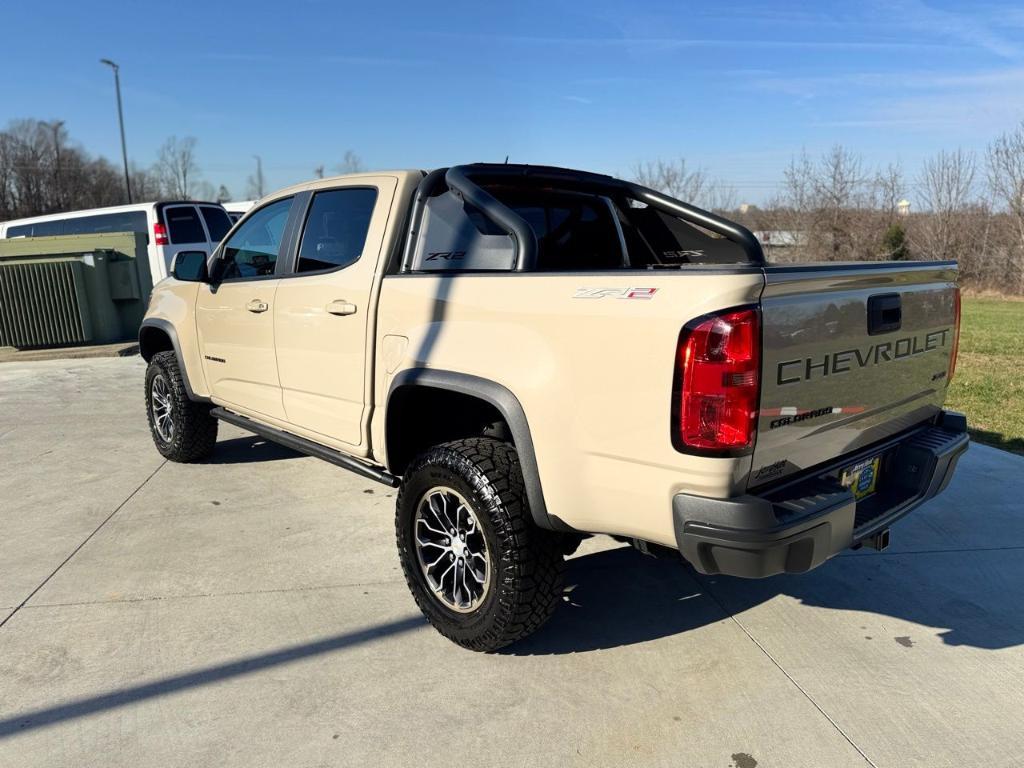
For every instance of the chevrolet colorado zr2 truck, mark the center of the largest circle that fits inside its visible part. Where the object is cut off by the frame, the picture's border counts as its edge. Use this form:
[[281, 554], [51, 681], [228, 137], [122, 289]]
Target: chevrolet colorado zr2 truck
[[533, 354]]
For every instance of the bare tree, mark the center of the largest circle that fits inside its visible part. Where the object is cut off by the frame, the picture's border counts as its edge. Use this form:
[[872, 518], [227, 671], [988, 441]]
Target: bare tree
[[838, 186], [43, 171], [692, 186], [792, 210], [176, 166], [889, 189], [146, 183], [351, 163], [945, 186], [673, 178], [720, 197], [7, 204], [30, 162], [204, 190], [1006, 175]]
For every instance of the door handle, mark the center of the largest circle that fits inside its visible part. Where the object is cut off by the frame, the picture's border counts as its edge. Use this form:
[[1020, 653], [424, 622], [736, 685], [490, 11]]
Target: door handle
[[341, 307], [257, 306], [885, 313]]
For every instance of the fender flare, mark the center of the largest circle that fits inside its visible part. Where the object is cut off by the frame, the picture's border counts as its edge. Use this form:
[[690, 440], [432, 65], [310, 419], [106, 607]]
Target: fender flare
[[509, 407], [168, 328]]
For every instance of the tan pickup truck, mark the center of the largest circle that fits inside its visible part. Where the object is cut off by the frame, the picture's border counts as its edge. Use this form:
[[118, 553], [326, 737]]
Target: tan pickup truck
[[535, 354]]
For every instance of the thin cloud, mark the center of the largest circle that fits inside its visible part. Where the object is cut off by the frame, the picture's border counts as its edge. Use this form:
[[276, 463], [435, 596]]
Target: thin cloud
[[578, 99], [972, 28], [243, 57], [682, 43], [808, 87], [881, 123], [386, 61]]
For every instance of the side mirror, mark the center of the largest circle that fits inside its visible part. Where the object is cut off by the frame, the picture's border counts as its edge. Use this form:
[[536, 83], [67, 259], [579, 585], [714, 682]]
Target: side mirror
[[190, 266]]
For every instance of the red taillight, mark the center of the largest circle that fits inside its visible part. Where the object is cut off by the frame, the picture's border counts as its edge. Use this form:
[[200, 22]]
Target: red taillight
[[718, 367], [956, 334], [160, 234]]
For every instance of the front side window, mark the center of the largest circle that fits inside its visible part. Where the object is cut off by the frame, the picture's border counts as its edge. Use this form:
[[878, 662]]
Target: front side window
[[183, 225], [336, 228], [253, 250]]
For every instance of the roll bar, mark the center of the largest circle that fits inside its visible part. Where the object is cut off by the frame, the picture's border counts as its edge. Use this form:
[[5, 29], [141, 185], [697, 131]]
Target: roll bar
[[463, 180], [515, 226]]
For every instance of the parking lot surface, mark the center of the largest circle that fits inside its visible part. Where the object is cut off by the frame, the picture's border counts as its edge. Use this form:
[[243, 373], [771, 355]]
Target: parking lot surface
[[251, 612]]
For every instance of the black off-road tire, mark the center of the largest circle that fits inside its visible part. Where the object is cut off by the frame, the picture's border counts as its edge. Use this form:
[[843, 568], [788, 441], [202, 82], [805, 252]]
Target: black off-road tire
[[193, 431], [526, 561]]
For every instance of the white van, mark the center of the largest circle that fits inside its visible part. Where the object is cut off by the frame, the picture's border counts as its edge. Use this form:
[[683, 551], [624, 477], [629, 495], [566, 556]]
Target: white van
[[238, 209], [169, 227]]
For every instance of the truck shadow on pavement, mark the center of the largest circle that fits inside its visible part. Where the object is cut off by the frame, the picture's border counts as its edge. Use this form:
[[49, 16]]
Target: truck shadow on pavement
[[620, 597], [250, 449], [122, 697]]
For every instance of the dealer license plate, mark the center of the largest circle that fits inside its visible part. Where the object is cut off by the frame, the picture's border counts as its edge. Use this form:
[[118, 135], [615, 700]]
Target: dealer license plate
[[862, 477]]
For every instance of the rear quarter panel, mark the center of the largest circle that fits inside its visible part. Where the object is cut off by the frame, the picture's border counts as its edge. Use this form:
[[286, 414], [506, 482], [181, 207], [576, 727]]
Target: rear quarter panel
[[593, 375]]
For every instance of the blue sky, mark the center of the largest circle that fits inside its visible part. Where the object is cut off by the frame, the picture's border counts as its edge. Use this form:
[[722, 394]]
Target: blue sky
[[735, 88]]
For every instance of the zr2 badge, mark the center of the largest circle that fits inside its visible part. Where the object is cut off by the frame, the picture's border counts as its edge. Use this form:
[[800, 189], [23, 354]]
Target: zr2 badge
[[615, 293]]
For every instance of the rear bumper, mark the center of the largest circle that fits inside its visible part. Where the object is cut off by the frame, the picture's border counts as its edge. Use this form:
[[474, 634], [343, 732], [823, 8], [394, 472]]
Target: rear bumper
[[800, 525]]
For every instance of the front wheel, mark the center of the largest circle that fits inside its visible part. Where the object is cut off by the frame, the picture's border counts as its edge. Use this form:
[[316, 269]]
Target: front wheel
[[482, 573], [182, 429]]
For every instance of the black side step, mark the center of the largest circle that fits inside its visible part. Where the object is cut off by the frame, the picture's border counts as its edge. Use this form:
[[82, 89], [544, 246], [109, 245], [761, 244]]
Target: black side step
[[302, 445]]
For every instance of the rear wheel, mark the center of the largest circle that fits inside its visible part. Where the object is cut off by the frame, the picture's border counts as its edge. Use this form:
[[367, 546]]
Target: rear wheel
[[183, 430], [480, 570]]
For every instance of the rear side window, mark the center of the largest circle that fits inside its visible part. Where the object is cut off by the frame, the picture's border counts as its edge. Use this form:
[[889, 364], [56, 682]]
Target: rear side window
[[656, 237], [129, 221], [22, 230], [217, 222], [336, 228], [574, 233], [126, 221], [253, 249], [183, 225], [39, 229]]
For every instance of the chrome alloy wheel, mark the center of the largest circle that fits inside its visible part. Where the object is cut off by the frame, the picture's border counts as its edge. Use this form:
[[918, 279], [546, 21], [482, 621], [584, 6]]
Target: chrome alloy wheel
[[451, 549], [163, 408]]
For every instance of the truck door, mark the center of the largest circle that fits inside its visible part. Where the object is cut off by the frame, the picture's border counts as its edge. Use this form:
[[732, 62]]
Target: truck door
[[235, 315], [324, 305]]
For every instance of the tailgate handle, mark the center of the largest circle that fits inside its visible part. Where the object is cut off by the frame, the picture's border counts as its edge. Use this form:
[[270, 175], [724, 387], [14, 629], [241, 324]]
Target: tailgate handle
[[885, 313]]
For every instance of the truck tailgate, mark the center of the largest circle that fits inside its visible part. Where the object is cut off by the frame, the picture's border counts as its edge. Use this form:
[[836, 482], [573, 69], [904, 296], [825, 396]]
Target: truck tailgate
[[852, 353]]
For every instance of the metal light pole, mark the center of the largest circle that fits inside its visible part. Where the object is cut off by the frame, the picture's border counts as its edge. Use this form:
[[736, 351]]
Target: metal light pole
[[55, 126], [120, 120], [259, 176]]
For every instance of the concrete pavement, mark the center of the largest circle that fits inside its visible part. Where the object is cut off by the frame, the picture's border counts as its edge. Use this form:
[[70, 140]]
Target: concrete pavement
[[251, 612]]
